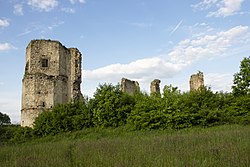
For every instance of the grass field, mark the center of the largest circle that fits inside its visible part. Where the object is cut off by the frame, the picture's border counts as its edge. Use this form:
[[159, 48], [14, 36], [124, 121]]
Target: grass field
[[220, 146]]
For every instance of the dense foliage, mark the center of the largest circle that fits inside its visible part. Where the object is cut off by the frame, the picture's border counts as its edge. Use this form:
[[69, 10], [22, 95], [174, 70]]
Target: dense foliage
[[63, 118], [111, 107], [242, 79], [172, 109], [4, 119]]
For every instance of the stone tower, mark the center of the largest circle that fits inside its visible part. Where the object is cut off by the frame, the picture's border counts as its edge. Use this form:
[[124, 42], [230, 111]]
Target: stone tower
[[155, 86], [52, 76], [196, 81], [129, 86]]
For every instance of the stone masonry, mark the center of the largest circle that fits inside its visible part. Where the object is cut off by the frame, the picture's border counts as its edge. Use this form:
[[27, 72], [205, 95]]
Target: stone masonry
[[196, 81], [52, 76], [155, 86], [129, 86]]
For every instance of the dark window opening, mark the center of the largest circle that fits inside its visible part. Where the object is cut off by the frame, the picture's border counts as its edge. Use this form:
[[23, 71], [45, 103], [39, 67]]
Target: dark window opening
[[27, 67], [76, 63], [43, 104], [45, 62]]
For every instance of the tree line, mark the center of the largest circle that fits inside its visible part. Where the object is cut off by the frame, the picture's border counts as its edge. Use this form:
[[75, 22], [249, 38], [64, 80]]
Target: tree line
[[172, 109]]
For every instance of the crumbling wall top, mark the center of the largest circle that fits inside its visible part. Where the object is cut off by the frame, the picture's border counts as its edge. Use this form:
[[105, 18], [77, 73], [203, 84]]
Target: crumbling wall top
[[129, 86]]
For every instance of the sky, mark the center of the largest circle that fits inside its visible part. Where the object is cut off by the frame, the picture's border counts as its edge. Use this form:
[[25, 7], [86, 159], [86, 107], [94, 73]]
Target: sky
[[140, 40]]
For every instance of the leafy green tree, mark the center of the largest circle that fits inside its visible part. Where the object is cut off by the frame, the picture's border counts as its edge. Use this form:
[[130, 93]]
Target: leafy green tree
[[147, 113], [242, 79], [111, 106], [4, 119], [63, 118], [237, 110], [203, 106], [176, 117]]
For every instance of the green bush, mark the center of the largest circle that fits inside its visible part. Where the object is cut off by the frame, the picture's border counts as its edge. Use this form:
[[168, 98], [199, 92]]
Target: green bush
[[4, 119], [147, 112], [64, 118], [110, 106]]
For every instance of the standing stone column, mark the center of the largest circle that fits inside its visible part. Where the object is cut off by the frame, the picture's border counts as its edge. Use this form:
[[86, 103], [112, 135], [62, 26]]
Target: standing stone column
[[196, 81], [155, 87]]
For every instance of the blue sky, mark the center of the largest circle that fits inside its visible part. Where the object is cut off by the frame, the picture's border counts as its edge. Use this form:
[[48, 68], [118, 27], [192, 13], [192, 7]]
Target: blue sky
[[138, 39]]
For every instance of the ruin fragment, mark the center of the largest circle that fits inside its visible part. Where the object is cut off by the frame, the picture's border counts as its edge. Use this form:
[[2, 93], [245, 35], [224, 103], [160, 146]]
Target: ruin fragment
[[155, 86], [130, 87], [52, 76], [196, 81]]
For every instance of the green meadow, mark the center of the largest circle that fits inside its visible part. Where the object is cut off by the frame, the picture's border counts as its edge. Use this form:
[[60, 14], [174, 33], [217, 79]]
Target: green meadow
[[227, 145]]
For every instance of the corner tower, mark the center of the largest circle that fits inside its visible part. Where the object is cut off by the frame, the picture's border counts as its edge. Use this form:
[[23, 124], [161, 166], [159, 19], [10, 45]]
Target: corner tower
[[52, 76]]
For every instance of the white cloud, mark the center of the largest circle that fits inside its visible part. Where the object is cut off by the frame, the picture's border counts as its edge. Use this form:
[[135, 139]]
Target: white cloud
[[229, 7], [68, 10], [10, 105], [74, 1], [18, 9], [40, 28], [200, 29], [224, 7], [141, 70], [4, 23], [219, 82], [6, 46], [43, 5], [204, 5], [184, 54], [141, 25], [207, 46]]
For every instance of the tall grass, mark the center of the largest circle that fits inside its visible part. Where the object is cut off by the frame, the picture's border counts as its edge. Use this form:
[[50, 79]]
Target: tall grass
[[196, 147]]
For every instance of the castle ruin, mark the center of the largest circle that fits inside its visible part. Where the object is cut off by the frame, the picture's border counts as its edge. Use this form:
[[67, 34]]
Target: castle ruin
[[52, 76], [196, 81], [129, 86], [155, 87]]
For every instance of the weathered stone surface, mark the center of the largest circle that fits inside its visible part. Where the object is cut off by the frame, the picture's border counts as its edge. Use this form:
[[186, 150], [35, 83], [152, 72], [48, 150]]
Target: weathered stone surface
[[196, 81], [129, 86], [52, 76], [155, 87]]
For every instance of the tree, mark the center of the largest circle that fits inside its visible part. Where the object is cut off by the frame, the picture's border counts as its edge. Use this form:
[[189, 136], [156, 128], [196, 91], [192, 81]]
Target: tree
[[110, 106], [63, 118], [242, 79], [4, 119]]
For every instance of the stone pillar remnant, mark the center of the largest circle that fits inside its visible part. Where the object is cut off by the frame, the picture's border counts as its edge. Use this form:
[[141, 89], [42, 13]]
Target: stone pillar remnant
[[196, 81], [130, 87], [155, 87]]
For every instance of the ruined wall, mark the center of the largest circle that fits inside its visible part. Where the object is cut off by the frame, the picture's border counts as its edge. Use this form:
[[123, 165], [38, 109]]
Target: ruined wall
[[196, 81], [48, 78], [129, 86], [76, 73], [155, 87]]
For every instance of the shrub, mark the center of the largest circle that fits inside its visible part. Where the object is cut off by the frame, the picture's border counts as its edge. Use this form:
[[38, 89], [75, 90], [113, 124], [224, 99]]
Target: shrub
[[64, 118], [110, 106]]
